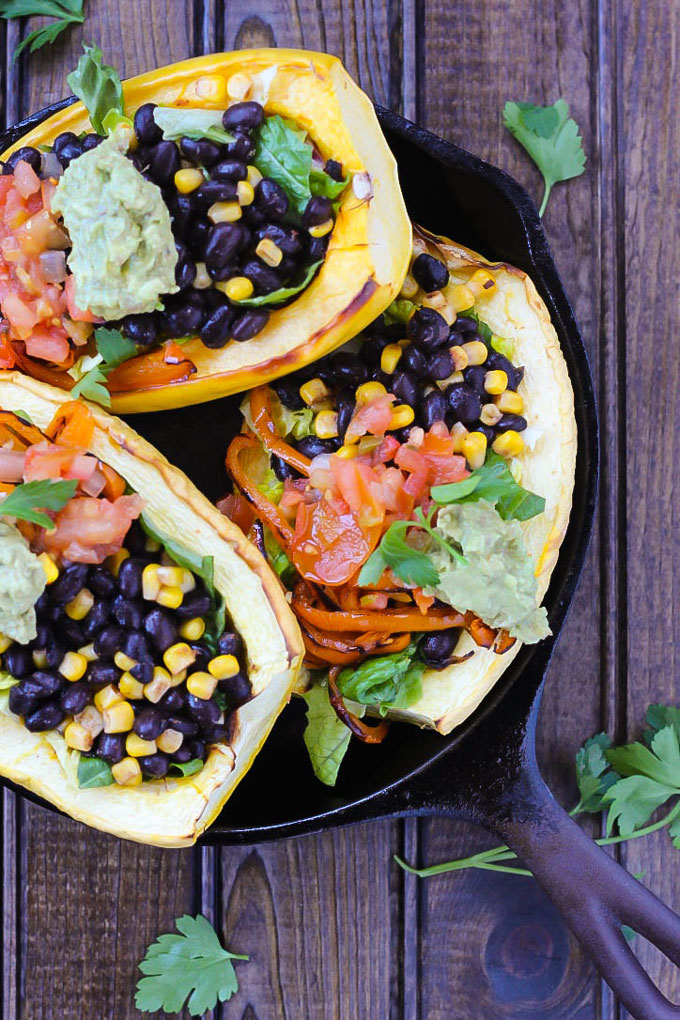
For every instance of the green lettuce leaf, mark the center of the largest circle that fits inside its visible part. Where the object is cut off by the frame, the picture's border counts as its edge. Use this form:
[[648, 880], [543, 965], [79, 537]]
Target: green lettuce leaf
[[326, 737], [193, 123], [98, 85], [494, 482], [283, 155], [277, 297], [94, 772], [387, 681]]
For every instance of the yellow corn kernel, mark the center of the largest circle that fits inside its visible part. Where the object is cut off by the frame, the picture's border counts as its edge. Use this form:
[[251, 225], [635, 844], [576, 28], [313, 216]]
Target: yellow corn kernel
[[321, 229], [157, 687], [171, 575], [170, 741], [202, 685], [409, 287], [269, 252], [459, 357], [402, 415], [131, 688], [245, 193], [461, 297], [39, 658], [49, 566], [202, 280], [5, 642], [178, 657], [77, 737], [224, 212], [118, 718], [369, 391], [137, 748], [192, 630], [91, 720], [107, 697], [127, 772], [73, 666], [496, 382], [238, 288], [438, 301], [326, 424], [476, 351], [458, 434], [510, 402], [188, 582], [123, 661], [347, 452], [114, 561], [79, 607], [389, 358], [210, 88], [188, 180], [313, 391], [150, 582], [88, 652], [491, 413], [508, 444], [238, 86], [473, 448], [482, 282], [253, 176], [170, 596], [455, 377], [223, 666]]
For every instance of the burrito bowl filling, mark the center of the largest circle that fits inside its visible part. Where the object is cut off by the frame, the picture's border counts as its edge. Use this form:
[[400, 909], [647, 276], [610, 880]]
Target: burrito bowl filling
[[120, 648], [384, 485], [183, 221]]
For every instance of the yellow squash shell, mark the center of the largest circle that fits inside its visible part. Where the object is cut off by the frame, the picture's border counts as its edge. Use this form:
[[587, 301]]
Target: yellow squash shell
[[174, 811]]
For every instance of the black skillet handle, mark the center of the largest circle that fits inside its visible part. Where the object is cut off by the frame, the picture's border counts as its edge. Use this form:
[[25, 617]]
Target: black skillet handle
[[594, 893]]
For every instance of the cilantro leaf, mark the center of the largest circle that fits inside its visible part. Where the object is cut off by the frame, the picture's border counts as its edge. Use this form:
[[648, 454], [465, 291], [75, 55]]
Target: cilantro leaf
[[98, 85], [551, 137], [26, 501], [283, 155], [593, 773], [191, 966], [113, 349], [652, 775], [92, 386], [277, 297], [659, 716], [494, 482], [66, 12], [326, 737], [93, 772], [176, 123], [409, 564], [633, 801]]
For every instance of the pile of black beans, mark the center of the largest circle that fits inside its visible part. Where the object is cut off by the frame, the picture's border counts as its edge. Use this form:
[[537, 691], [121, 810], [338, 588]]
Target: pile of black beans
[[226, 249], [120, 620]]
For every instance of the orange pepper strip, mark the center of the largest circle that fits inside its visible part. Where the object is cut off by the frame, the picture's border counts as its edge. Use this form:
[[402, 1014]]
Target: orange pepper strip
[[39, 370], [367, 734], [328, 656], [18, 433], [148, 370], [268, 511], [386, 620], [72, 425], [261, 412], [114, 485]]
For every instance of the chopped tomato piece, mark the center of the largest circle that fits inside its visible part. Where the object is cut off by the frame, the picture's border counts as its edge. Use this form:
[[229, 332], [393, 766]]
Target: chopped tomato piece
[[374, 417], [114, 484], [410, 459], [237, 508], [7, 359], [293, 492], [76, 313], [386, 450], [45, 460], [26, 180], [88, 530], [445, 469], [360, 488], [48, 346], [329, 544]]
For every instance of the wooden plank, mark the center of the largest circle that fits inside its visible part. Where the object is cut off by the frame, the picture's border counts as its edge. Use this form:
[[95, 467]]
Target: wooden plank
[[500, 932], [648, 150]]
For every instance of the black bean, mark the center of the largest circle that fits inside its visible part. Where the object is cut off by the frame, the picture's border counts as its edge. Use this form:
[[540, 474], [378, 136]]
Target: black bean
[[5, 169], [54, 653], [433, 407], [243, 116], [217, 734], [223, 242], [229, 170], [216, 329], [288, 239], [130, 577], [348, 369], [237, 689], [43, 635], [91, 141], [185, 270], [486, 430], [414, 361], [463, 402], [74, 697], [507, 421], [129, 613], [183, 320], [161, 628], [427, 328], [465, 325], [69, 153], [49, 681], [197, 237], [108, 640], [154, 765], [182, 755], [143, 670], [214, 191], [200, 151], [69, 583], [196, 603], [382, 377], [197, 747], [164, 162], [345, 404], [221, 273], [334, 169], [406, 387], [102, 672], [142, 329], [437, 648], [26, 154], [440, 365], [271, 199], [137, 647], [46, 717], [242, 148], [253, 216], [317, 211], [146, 128], [97, 618], [182, 212], [312, 446], [497, 361], [24, 697], [111, 747], [430, 273], [230, 643], [150, 723], [264, 278], [18, 661], [474, 377], [65, 138], [249, 324], [287, 266], [73, 631], [282, 470], [204, 712], [288, 392], [172, 701], [316, 248], [183, 725], [372, 348], [101, 581]]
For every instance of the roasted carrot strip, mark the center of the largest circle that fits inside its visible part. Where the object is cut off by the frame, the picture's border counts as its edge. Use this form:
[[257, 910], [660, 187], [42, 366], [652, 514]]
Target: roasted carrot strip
[[265, 509], [261, 412], [72, 425], [367, 734]]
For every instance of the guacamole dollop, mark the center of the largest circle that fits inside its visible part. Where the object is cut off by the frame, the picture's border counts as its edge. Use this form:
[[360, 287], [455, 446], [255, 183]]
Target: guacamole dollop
[[22, 582], [497, 582], [123, 253]]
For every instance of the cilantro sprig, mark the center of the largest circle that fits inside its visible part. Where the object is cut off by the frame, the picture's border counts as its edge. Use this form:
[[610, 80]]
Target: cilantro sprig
[[551, 137], [190, 966], [27, 501], [112, 350], [65, 13], [494, 482], [405, 561]]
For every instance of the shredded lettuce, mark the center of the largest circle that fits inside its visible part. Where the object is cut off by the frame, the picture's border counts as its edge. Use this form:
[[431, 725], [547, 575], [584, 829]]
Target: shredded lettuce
[[278, 560], [386, 681], [193, 123], [326, 737], [271, 486]]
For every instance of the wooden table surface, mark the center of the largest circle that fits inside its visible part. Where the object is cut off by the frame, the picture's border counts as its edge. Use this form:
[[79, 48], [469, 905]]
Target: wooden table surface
[[334, 929]]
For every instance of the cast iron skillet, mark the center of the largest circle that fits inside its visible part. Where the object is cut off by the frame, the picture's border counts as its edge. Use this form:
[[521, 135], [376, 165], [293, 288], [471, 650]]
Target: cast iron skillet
[[486, 770]]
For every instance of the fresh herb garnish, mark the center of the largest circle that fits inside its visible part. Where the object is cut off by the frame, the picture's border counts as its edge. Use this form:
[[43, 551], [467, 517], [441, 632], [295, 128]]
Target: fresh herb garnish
[[27, 501], [192, 965], [277, 297], [551, 138], [630, 782], [189, 768], [94, 772], [112, 350], [66, 12], [407, 563], [191, 123], [326, 737], [97, 85], [494, 482]]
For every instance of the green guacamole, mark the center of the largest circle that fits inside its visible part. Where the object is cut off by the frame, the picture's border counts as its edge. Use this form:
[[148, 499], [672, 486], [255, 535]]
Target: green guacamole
[[123, 256], [22, 582], [497, 582]]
